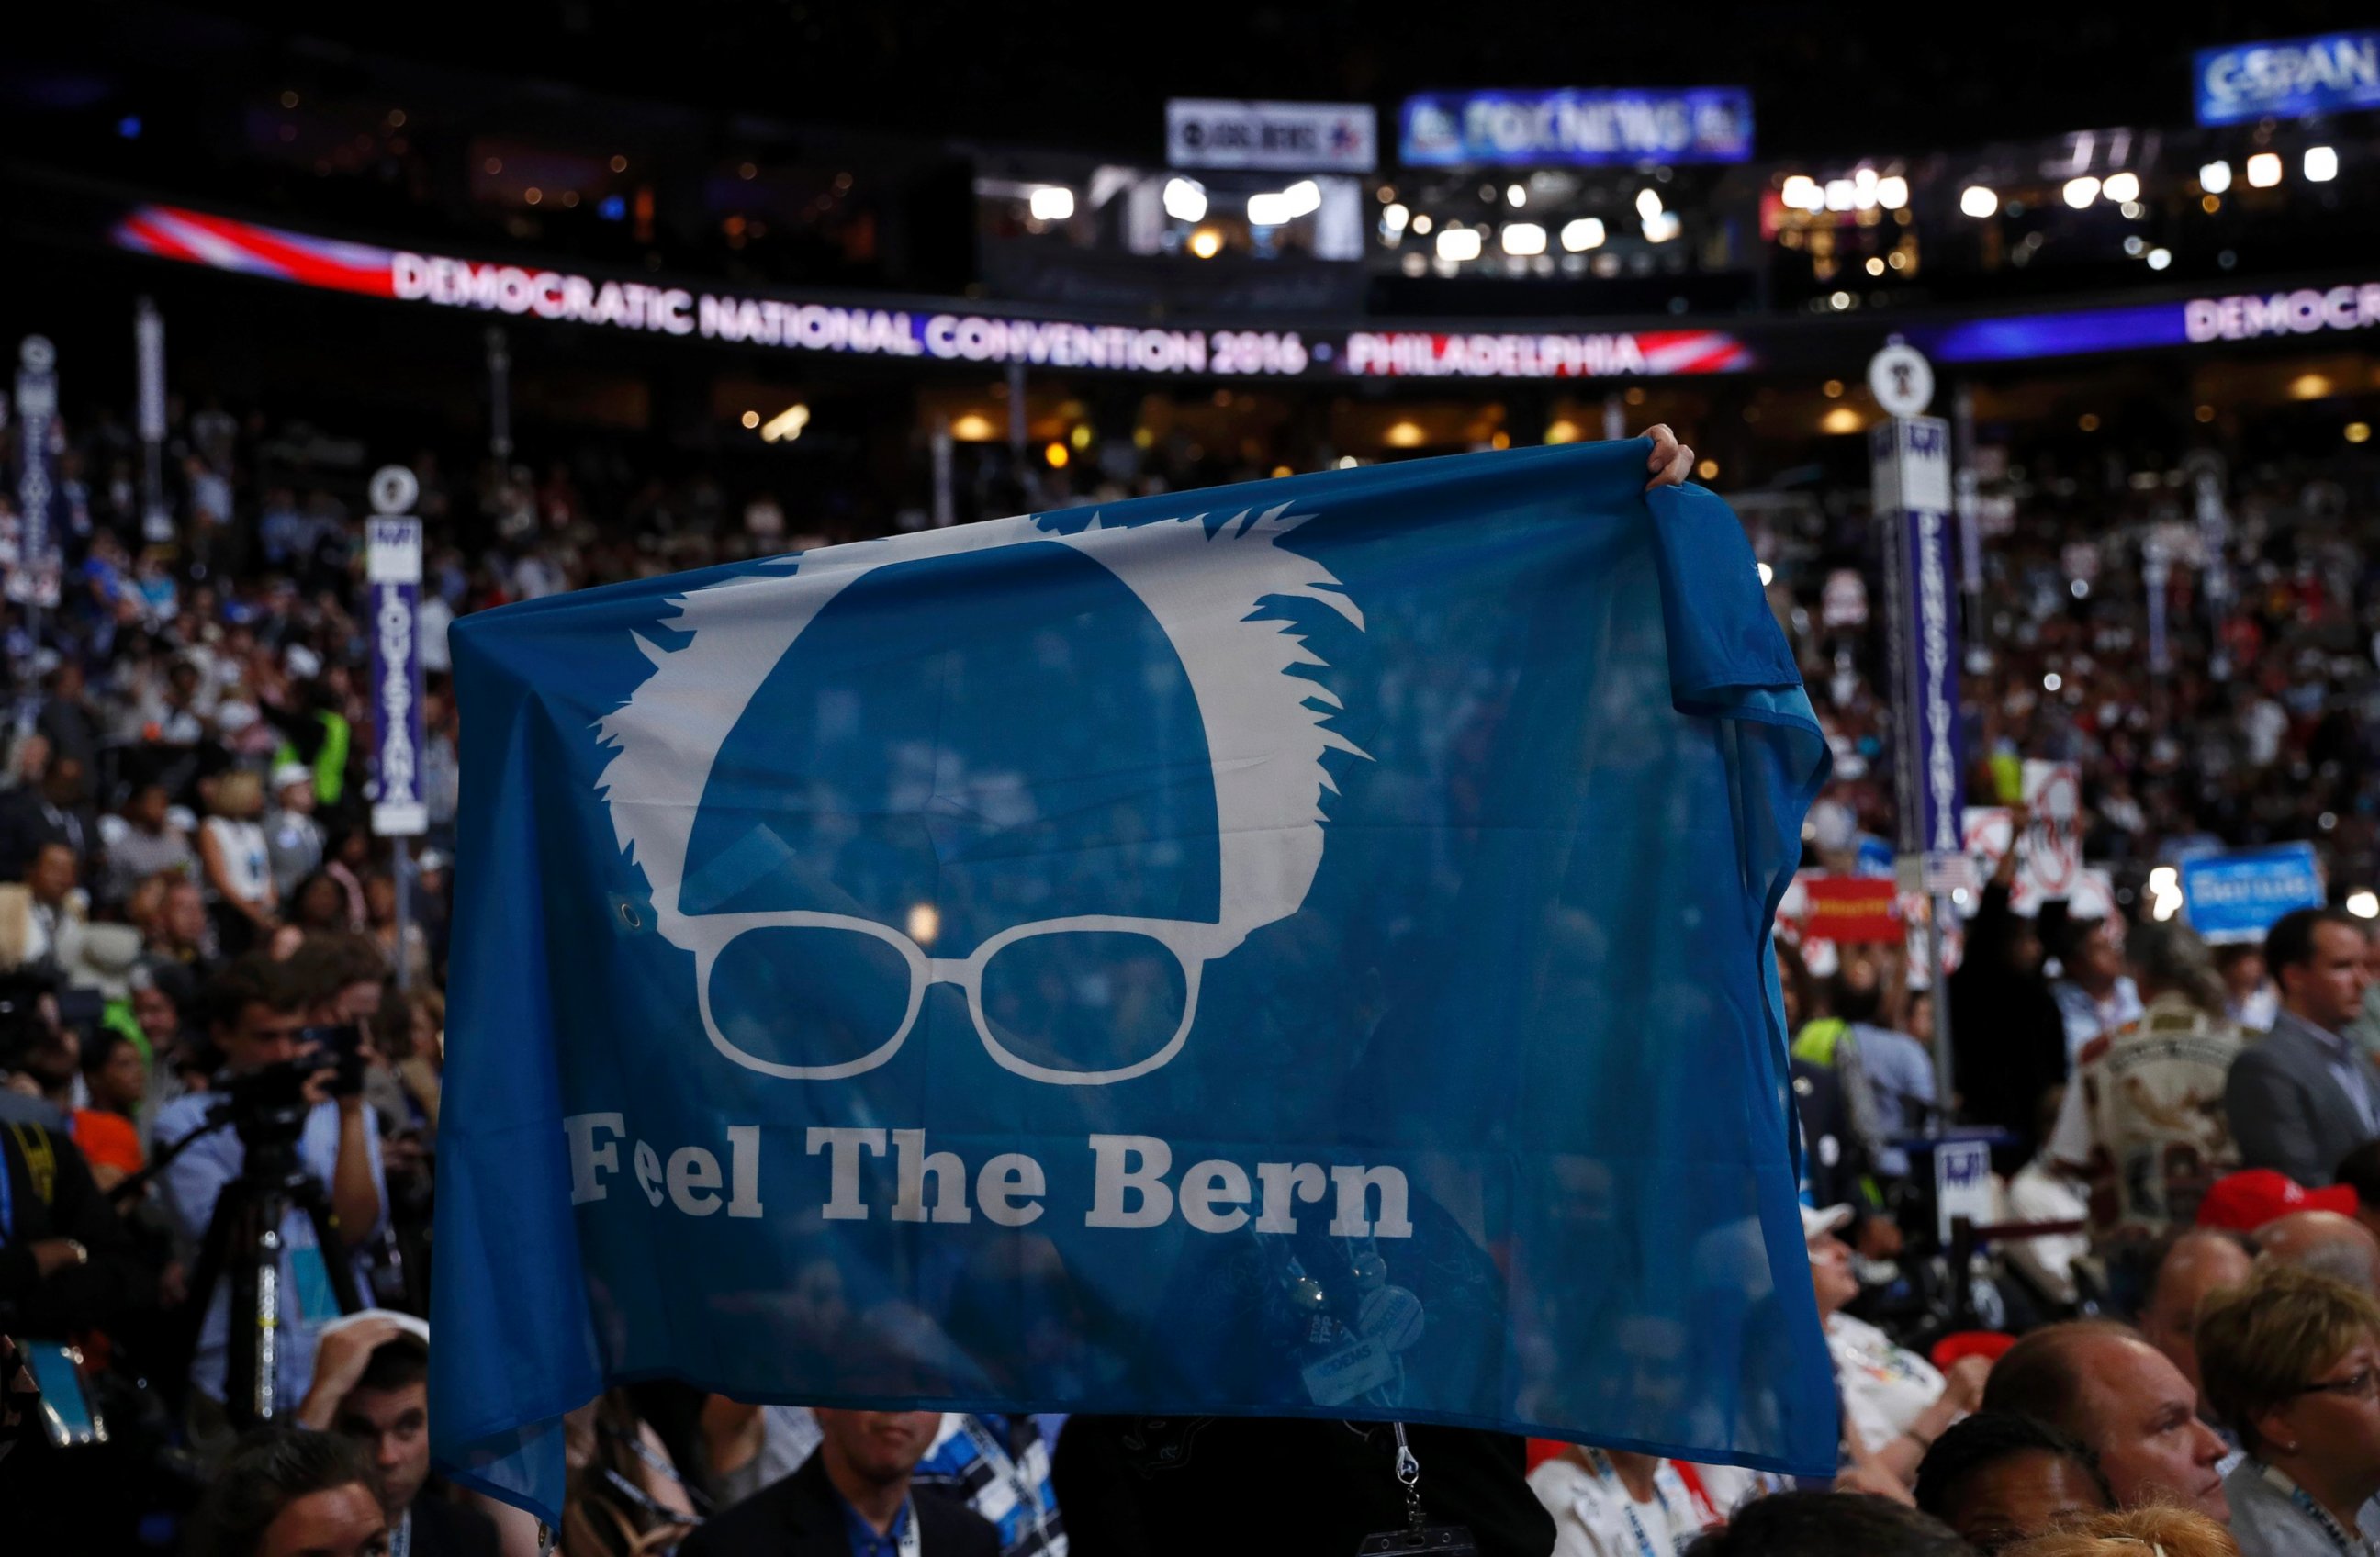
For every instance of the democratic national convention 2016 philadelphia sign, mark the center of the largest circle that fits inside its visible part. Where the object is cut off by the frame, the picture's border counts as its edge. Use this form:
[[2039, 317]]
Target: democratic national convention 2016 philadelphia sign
[[752, 319], [929, 333]]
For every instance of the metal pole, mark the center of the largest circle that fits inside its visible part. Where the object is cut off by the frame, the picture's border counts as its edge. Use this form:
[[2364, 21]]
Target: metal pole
[[149, 343], [500, 394], [401, 875]]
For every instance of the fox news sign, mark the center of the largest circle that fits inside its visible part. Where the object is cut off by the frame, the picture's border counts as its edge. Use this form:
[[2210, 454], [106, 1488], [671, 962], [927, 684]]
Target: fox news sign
[[1569, 128], [1290, 136], [2333, 73]]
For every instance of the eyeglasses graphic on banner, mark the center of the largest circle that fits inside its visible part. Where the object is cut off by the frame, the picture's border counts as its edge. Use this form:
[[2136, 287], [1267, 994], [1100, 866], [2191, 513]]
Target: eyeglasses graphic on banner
[[1206, 587]]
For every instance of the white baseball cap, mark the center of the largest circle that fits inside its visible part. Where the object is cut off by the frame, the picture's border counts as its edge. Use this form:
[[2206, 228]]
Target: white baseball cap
[[1814, 1223]]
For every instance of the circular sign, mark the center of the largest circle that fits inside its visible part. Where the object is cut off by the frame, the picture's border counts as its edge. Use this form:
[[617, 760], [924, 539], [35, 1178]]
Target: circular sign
[[35, 353], [393, 490], [1901, 379]]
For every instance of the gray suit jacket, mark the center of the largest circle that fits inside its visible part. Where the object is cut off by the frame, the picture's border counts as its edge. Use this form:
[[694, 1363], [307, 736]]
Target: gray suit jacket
[[2287, 1110]]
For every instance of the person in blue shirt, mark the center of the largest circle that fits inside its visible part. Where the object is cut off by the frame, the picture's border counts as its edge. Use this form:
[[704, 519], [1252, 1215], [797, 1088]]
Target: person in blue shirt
[[256, 1014]]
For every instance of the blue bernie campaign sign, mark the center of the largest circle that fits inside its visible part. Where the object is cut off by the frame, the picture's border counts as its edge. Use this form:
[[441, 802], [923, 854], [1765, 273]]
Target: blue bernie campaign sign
[[2236, 895], [1292, 949]]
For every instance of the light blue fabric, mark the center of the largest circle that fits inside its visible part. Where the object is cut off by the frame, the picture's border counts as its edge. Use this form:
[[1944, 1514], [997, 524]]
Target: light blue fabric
[[1460, 792]]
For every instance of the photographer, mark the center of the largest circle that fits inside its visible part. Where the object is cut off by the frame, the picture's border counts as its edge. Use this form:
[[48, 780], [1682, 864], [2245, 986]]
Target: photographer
[[257, 1019]]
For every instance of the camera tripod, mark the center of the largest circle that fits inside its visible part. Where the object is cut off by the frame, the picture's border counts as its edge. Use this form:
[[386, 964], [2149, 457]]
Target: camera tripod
[[245, 1246]]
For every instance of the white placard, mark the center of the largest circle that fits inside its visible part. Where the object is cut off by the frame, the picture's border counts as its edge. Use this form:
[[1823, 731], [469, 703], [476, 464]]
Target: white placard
[[1292, 136], [1962, 1185], [1901, 379]]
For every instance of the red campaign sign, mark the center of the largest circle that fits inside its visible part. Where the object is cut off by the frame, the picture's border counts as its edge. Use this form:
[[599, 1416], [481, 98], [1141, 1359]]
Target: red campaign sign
[[1851, 910]]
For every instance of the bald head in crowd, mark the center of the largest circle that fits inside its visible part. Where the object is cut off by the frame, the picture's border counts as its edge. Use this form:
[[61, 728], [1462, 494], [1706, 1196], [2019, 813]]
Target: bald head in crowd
[[2327, 1243], [2200, 1262], [2101, 1383]]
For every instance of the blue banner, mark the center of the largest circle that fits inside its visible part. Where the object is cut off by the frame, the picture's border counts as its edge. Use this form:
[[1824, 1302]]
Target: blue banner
[[2236, 897], [1573, 129], [1912, 509], [1296, 949], [2333, 73]]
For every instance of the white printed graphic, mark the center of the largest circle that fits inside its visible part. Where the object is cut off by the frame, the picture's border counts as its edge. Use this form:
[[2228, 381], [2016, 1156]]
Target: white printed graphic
[[1266, 728]]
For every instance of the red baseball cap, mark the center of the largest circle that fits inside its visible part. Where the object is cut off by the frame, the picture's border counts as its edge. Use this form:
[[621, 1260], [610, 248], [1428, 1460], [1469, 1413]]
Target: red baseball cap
[[2245, 1202]]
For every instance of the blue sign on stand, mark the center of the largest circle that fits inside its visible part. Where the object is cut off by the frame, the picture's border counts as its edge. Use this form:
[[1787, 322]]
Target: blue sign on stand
[[2330, 74], [1576, 128], [2235, 897]]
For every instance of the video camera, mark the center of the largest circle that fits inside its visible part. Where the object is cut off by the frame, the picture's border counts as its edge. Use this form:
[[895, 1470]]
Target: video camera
[[267, 1105]]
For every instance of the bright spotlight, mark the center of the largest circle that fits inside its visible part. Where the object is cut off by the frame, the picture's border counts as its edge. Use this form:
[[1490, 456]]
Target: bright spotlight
[[1892, 192], [1583, 233], [1394, 218], [2214, 177], [1458, 244], [1648, 204], [1977, 200], [1661, 226], [1522, 239], [2120, 187], [1286, 206], [2321, 167], [1516, 196], [2363, 903], [1051, 203], [1768, 575], [2264, 170], [1185, 200], [786, 425], [1840, 194], [2160, 258], [1801, 192], [2081, 192]]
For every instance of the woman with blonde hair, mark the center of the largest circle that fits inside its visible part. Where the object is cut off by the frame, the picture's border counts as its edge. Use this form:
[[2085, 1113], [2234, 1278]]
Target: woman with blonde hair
[[2154, 1531], [232, 854], [2291, 1360]]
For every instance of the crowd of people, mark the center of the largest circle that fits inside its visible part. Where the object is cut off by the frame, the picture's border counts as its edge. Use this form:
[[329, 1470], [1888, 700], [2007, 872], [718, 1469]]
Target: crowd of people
[[2168, 1338]]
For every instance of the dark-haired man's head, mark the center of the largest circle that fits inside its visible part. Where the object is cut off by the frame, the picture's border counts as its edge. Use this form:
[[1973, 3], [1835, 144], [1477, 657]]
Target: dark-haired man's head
[[2093, 951], [53, 874], [338, 976], [1998, 1478], [287, 1492], [388, 1413], [115, 1072], [255, 1014], [2100, 1383], [2317, 958], [1830, 1524], [2184, 1270]]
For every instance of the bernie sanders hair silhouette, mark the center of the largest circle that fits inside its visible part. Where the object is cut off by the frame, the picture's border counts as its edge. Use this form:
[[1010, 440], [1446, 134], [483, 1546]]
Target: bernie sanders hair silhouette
[[1206, 585]]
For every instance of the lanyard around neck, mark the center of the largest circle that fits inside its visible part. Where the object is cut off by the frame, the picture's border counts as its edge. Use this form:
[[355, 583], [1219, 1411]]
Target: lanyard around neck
[[1609, 1474], [2354, 1545]]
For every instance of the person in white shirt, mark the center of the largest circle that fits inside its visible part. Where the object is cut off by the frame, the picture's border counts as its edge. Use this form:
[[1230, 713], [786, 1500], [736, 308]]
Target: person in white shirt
[[233, 853], [1895, 1403], [1605, 1503]]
